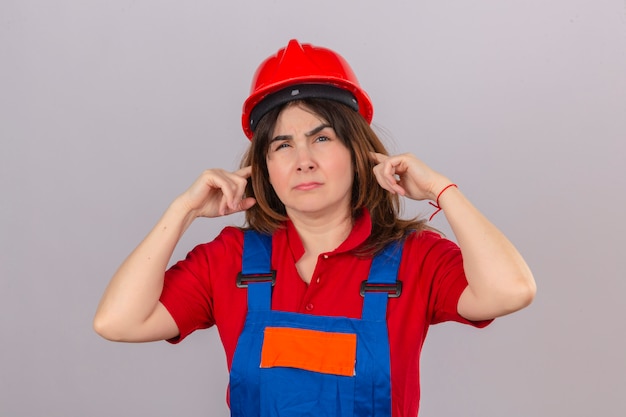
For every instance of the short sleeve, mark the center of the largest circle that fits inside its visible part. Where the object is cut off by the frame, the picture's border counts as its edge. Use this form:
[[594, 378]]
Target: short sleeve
[[442, 271], [188, 288], [186, 293]]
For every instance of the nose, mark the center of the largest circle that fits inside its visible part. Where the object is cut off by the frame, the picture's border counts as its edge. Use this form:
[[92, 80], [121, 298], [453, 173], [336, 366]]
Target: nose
[[305, 161]]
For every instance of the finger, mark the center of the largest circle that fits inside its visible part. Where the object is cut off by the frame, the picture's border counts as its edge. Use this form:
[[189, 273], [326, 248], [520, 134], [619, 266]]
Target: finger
[[244, 172], [386, 172], [385, 165], [389, 171], [232, 185], [390, 177], [239, 181], [243, 205], [229, 189], [235, 195], [382, 178], [222, 207], [246, 203], [378, 157], [240, 189]]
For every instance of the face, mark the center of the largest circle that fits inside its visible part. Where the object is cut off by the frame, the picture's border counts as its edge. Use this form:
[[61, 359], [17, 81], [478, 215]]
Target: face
[[309, 167]]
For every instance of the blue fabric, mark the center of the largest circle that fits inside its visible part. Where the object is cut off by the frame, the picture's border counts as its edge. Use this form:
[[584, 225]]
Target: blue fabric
[[257, 253], [384, 270], [291, 392]]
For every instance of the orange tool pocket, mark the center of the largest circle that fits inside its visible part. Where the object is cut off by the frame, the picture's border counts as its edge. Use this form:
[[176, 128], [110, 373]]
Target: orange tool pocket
[[311, 350]]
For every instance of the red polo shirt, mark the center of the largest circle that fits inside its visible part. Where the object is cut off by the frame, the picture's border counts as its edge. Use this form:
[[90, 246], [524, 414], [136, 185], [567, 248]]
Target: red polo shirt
[[200, 291]]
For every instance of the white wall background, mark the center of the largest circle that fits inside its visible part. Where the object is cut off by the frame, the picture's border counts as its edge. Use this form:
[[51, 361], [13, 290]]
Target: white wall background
[[109, 109]]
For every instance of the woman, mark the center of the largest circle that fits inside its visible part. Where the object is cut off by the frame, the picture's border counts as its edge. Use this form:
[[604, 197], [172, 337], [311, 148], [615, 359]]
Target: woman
[[323, 301]]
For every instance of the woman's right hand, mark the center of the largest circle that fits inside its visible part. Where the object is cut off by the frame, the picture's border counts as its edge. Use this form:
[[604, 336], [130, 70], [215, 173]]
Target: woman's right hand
[[217, 193], [130, 310]]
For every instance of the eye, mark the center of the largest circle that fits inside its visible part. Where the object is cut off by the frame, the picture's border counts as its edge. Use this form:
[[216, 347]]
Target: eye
[[322, 139], [281, 145]]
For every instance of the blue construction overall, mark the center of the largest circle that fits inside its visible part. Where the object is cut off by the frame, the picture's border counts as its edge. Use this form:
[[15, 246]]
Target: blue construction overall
[[291, 364]]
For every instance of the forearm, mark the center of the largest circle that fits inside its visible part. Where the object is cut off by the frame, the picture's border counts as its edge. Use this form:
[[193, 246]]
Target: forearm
[[134, 290], [499, 279]]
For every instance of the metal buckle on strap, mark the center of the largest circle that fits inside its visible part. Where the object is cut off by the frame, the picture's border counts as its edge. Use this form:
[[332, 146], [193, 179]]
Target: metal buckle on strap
[[244, 279], [392, 290]]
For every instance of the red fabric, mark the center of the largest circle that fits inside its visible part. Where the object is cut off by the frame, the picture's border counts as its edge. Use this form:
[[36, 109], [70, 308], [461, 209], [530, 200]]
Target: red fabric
[[200, 291]]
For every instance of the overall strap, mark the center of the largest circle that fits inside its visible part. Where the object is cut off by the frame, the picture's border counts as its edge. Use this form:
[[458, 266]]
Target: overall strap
[[382, 282], [256, 273]]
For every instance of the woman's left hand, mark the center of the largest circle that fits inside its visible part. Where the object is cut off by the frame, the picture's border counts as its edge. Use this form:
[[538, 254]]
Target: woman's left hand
[[499, 281], [406, 175]]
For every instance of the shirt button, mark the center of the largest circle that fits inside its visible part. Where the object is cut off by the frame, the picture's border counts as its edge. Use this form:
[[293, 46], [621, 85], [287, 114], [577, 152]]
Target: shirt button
[[309, 307], [317, 280], [325, 256]]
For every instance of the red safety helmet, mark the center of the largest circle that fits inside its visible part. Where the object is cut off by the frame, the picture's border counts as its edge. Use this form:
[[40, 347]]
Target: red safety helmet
[[302, 71]]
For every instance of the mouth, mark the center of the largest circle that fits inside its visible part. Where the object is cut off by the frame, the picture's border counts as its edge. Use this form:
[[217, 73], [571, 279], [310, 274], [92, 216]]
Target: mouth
[[307, 186]]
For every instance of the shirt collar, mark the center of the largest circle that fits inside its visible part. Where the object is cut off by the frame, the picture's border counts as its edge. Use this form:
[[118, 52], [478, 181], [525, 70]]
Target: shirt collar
[[360, 232]]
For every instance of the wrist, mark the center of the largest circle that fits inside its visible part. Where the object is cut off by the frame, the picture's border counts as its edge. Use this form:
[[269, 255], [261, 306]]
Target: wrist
[[440, 194], [180, 210], [438, 186]]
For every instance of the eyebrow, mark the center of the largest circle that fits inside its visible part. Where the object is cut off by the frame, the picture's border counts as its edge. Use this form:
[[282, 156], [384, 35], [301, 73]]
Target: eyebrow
[[308, 134]]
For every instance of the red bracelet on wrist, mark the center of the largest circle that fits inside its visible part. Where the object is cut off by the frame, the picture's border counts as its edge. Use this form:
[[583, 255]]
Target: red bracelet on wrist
[[436, 204]]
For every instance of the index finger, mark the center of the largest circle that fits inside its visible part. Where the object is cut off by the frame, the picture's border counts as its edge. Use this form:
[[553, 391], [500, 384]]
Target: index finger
[[244, 172], [378, 157]]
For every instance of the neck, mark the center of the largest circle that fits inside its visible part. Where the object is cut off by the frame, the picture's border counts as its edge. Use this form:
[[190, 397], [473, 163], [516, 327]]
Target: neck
[[320, 235]]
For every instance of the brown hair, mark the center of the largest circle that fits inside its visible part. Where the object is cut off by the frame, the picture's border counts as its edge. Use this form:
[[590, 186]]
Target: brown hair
[[269, 212]]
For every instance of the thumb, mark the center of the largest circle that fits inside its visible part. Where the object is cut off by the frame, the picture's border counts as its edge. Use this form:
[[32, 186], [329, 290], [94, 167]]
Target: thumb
[[244, 205]]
